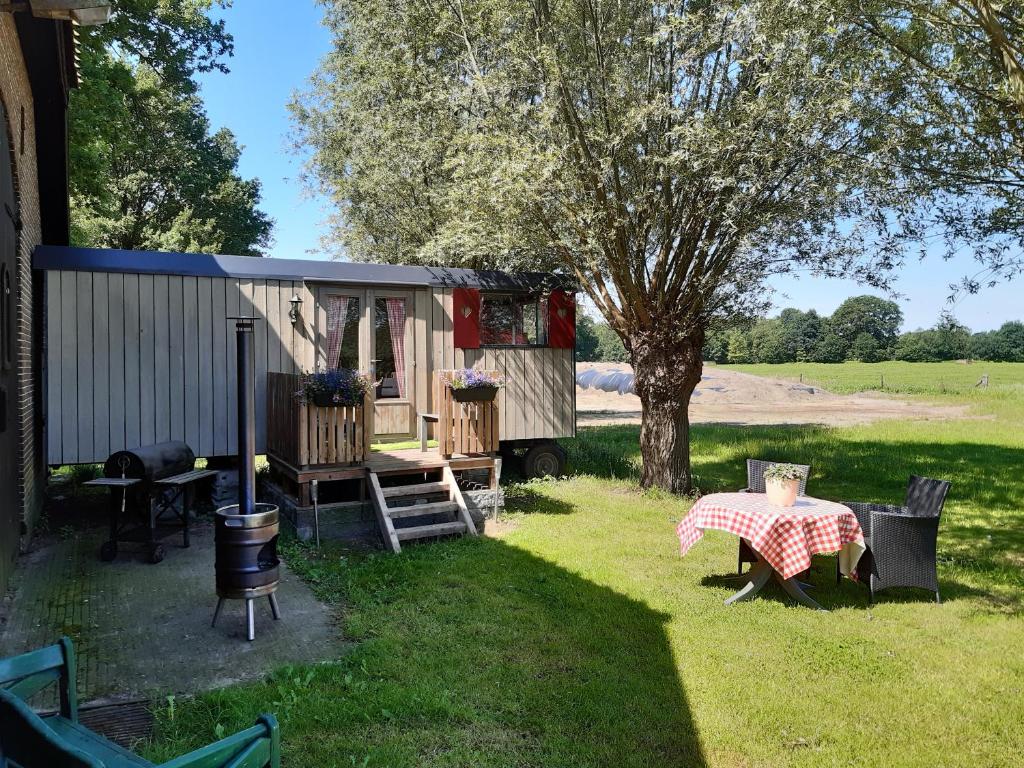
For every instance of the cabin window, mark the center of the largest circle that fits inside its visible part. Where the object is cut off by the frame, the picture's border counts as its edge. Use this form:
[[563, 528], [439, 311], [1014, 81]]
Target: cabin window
[[513, 319], [343, 331], [389, 347]]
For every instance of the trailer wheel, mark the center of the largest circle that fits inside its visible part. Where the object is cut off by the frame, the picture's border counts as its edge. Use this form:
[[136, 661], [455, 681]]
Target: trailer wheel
[[544, 460]]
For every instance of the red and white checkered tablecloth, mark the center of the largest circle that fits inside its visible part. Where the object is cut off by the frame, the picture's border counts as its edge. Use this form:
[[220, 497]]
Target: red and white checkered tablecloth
[[784, 536]]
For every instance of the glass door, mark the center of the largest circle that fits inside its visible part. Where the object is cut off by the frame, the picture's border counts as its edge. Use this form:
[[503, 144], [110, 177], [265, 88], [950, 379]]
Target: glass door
[[340, 321], [392, 362]]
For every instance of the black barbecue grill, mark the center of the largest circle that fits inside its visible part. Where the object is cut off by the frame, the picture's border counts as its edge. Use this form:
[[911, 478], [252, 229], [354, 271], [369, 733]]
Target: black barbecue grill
[[151, 489]]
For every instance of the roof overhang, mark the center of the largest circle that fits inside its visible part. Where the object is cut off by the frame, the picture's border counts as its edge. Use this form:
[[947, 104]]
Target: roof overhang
[[304, 270]]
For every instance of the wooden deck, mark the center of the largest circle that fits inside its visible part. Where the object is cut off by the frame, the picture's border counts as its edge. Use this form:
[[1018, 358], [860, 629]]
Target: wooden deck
[[412, 460]]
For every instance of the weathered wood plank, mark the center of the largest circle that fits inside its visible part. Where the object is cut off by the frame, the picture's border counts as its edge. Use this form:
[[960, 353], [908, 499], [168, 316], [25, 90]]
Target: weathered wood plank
[[176, 356], [69, 353], [233, 299], [191, 347], [84, 309], [162, 394], [307, 344], [101, 402], [132, 367], [260, 332], [204, 306], [147, 356], [219, 331], [420, 349], [275, 330], [116, 329], [54, 367]]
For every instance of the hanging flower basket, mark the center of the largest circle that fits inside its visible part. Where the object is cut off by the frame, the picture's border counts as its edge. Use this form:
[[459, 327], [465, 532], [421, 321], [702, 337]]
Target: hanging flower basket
[[472, 386]]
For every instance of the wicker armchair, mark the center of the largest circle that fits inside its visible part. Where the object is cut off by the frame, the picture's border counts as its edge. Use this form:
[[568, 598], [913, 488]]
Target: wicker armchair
[[901, 539], [755, 484]]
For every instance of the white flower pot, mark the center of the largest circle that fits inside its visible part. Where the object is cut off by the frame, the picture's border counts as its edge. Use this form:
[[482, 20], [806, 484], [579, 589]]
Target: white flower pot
[[782, 493]]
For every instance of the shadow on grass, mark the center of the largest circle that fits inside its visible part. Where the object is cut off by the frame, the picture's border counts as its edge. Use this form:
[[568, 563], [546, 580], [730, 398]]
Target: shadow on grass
[[477, 653]]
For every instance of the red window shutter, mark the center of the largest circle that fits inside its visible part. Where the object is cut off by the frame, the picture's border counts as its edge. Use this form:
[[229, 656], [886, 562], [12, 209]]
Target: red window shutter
[[562, 320], [466, 317]]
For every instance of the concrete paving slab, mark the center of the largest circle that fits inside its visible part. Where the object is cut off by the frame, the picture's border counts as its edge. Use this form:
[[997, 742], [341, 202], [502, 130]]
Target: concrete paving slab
[[143, 630]]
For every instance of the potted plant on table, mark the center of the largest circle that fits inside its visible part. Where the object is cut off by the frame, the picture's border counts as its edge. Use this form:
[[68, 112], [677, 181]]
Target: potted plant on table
[[469, 385], [782, 484], [336, 387]]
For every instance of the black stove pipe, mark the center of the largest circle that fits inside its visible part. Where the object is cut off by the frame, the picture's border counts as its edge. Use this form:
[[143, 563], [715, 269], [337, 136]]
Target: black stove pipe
[[246, 415]]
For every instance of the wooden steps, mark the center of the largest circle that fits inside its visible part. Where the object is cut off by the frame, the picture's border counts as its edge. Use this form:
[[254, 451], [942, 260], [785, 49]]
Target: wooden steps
[[416, 510], [436, 529], [415, 500]]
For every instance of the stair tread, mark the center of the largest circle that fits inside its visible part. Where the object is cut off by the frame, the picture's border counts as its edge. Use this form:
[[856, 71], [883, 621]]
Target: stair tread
[[414, 490], [436, 529], [413, 510]]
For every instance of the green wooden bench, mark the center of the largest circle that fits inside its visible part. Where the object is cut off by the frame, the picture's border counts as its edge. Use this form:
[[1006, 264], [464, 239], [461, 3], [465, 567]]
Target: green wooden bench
[[28, 740]]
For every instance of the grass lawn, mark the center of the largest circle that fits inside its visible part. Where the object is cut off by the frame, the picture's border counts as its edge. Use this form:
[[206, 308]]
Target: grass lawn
[[581, 638]]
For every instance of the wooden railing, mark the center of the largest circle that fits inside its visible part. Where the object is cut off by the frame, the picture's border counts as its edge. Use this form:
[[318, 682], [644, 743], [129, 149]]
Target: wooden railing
[[308, 435], [463, 427]]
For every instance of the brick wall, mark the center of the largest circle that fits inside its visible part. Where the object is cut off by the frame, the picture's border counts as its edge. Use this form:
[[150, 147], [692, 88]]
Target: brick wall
[[17, 99]]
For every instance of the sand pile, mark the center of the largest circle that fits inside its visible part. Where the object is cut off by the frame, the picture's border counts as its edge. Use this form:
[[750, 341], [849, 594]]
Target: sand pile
[[727, 396]]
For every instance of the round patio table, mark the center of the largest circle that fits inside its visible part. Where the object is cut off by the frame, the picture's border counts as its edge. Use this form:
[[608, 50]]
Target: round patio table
[[783, 538]]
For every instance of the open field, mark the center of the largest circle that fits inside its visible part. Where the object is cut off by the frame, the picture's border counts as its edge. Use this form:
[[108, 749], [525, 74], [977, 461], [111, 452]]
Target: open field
[[579, 637], [733, 395], [902, 378]]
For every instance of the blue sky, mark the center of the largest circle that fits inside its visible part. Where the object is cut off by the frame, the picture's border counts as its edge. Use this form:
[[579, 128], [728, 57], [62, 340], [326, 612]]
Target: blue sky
[[275, 52]]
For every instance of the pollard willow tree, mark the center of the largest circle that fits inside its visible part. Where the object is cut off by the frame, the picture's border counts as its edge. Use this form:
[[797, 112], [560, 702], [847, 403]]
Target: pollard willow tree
[[669, 156]]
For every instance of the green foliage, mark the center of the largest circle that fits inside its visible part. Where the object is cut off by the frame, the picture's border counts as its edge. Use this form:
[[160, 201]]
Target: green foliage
[[959, 121], [578, 636], [797, 336], [865, 348], [768, 342], [879, 318], [609, 346], [738, 347], [145, 170], [670, 159], [596, 342], [1005, 344], [918, 347], [586, 338]]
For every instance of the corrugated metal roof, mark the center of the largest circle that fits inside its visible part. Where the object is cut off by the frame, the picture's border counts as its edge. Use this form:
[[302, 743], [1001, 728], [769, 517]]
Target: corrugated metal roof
[[51, 257]]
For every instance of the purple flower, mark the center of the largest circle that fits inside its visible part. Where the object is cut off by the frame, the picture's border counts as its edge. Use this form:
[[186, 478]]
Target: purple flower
[[470, 378]]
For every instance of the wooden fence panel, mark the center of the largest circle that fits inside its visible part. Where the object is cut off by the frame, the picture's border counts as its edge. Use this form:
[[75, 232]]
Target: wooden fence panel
[[308, 435]]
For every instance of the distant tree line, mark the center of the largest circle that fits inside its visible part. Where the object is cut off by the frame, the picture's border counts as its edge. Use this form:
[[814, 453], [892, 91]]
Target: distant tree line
[[597, 342], [863, 328]]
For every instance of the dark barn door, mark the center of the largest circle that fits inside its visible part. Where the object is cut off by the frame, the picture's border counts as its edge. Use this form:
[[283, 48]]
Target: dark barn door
[[10, 511]]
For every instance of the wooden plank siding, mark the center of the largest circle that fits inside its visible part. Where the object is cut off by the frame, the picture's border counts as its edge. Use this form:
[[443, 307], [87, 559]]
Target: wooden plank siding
[[137, 358], [538, 399], [141, 358]]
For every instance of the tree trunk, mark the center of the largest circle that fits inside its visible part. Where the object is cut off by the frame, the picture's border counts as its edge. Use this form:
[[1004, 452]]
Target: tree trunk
[[668, 368]]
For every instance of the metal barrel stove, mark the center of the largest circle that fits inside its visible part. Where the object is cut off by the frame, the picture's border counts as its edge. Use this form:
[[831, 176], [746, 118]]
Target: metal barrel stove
[[245, 534]]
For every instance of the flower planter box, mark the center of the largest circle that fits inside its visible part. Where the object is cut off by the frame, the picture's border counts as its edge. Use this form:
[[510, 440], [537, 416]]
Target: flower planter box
[[310, 435], [474, 394], [327, 401], [467, 418]]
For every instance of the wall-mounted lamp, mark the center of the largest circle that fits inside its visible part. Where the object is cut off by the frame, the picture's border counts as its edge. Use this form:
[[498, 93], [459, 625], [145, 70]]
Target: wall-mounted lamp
[[293, 313], [86, 13]]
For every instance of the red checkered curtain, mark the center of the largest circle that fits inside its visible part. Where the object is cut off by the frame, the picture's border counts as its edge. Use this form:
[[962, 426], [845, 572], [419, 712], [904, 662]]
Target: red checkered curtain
[[396, 324], [337, 314]]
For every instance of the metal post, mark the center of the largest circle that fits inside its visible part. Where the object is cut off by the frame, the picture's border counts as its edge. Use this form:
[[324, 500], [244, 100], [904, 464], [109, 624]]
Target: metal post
[[313, 487], [246, 415]]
